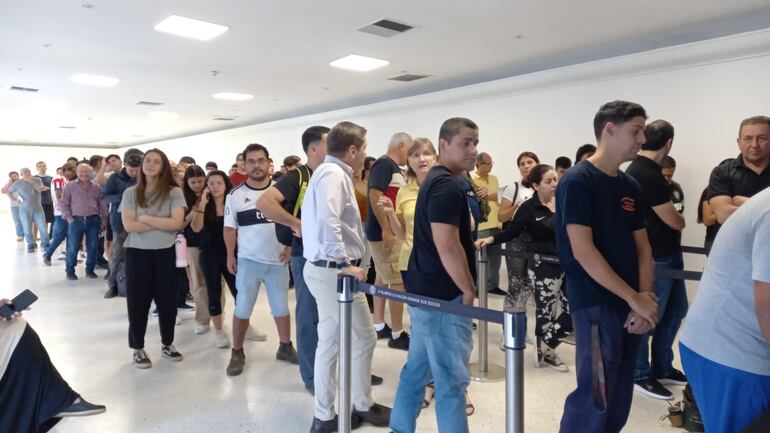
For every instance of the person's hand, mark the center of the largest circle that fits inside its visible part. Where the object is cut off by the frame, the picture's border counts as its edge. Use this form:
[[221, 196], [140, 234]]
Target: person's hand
[[285, 255], [45, 188], [15, 315], [469, 298], [204, 199], [481, 243], [388, 240], [645, 305], [297, 230], [232, 265], [385, 204], [481, 192], [142, 218], [103, 226], [635, 324], [355, 272]]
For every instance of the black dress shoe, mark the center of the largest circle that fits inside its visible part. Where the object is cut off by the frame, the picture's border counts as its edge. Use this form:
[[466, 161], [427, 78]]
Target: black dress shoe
[[72, 277], [377, 415], [376, 380], [82, 408], [92, 275], [309, 387], [497, 291], [331, 425], [111, 293]]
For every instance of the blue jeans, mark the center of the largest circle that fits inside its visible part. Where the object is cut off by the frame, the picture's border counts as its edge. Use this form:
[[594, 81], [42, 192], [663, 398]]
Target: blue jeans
[[728, 399], [60, 227], [306, 317], [17, 221], [439, 350], [672, 307], [88, 226], [27, 218]]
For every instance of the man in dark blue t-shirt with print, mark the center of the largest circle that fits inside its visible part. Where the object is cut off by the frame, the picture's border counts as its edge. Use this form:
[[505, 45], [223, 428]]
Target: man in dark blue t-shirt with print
[[604, 251], [441, 266]]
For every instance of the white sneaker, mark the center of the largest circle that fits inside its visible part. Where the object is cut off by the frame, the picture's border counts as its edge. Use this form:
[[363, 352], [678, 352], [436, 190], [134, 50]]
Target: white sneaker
[[551, 359], [222, 342], [201, 328], [254, 335], [178, 321]]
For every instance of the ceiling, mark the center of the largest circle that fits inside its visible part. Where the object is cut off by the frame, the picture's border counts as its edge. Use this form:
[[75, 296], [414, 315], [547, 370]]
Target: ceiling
[[279, 52]]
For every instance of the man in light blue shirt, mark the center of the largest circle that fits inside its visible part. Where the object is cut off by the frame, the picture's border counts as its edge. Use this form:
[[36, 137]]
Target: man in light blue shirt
[[725, 345]]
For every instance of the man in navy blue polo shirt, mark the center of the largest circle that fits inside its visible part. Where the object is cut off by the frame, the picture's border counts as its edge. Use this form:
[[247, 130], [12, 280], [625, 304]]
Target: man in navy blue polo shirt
[[604, 250], [441, 266]]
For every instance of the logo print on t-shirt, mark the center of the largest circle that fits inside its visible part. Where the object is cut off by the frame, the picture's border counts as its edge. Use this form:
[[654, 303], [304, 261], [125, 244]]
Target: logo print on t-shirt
[[628, 204]]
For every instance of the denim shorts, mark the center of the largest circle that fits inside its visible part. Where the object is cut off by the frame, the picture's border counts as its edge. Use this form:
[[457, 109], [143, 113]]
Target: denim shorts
[[250, 276]]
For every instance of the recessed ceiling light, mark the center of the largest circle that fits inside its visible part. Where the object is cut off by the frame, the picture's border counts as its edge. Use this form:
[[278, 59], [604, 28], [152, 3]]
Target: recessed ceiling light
[[230, 96], [95, 80], [190, 28], [163, 115], [358, 63]]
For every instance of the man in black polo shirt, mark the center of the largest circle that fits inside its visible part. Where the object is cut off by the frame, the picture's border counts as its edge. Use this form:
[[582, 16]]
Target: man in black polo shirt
[[441, 266], [604, 251], [664, 228], [281, 203], [735, 180]]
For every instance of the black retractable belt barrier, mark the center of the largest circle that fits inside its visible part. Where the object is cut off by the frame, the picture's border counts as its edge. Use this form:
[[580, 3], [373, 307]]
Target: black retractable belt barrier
[[514, 336]]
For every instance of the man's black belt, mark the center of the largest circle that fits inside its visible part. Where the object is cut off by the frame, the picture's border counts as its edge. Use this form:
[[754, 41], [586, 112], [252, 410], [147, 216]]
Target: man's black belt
[[330, 264]]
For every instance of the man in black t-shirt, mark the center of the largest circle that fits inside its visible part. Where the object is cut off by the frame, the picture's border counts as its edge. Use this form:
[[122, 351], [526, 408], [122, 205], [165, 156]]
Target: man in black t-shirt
[[45, 197], [664, 228], [606, 256], [441, 266], [677, 193], [282, 203], [736, 180]]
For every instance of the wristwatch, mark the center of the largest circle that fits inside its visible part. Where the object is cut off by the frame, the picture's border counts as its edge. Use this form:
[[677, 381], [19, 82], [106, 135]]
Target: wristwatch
[[343, 265]]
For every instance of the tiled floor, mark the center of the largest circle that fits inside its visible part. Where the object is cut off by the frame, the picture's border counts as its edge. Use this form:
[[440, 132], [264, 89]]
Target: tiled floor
[[86, 337]]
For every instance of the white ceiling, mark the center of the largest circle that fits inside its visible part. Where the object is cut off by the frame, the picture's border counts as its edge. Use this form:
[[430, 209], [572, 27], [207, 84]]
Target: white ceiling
[[279, 51]]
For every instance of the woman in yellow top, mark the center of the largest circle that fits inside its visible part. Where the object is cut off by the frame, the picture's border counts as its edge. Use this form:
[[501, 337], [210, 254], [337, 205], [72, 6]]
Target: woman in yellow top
[[421, 156]]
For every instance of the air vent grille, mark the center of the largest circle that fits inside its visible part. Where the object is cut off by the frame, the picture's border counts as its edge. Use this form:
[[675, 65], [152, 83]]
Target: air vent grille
[[67, 127], [386, 28], [224, 118], [149, 103], [408, 77]]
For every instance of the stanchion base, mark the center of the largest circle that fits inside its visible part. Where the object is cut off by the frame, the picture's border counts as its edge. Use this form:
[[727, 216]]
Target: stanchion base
[[494, 373]]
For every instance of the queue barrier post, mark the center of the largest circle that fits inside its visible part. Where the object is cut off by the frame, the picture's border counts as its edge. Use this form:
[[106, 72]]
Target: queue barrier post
[[514, 342], [483, 371], [345, 302]]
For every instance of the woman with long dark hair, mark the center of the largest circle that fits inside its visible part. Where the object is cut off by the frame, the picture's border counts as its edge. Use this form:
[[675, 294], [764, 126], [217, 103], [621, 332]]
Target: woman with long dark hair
[[208, 220], [152, 213], [536, 217], [193, 186]]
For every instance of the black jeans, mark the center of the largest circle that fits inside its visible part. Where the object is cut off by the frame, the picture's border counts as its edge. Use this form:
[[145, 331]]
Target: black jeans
[[150, 275], [214, 268]]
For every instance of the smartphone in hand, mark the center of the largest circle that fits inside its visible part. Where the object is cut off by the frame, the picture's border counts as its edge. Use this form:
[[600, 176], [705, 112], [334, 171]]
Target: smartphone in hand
[[20, 303]]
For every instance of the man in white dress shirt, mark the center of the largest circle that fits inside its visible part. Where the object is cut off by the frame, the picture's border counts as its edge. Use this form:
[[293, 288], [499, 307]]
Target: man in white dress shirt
[[333, 241]]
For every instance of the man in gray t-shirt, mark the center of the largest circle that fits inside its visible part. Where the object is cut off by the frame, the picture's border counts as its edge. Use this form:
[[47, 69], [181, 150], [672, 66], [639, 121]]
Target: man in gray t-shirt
[[725, 344], [28, 188]]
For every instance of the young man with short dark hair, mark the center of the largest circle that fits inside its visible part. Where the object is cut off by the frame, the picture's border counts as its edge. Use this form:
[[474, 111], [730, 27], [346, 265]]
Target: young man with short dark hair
[[283, 204], [442, 266], [677, 193], [604, 251], [561, 165], [664, 229], [333, 242]]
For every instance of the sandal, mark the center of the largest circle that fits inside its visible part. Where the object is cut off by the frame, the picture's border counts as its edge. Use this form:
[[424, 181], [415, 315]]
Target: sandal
[[430, 394], [469, 407]]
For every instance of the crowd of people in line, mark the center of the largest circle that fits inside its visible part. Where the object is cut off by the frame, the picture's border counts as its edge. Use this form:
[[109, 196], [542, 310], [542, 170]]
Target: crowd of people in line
[[169, 233]]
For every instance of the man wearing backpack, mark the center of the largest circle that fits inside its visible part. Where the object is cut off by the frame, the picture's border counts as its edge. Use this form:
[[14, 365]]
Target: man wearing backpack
[[281, 203]]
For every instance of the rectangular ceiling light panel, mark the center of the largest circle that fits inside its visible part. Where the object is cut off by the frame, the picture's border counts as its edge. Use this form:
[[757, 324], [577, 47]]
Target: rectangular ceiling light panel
[[190, 28], [232, 96], [358, 63], [94, 80]]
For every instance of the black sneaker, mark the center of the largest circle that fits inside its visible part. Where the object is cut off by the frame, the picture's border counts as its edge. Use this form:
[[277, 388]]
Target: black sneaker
[[385, 333], [111, 293], [82, 408], [676, 377], [141, 360], [402, 342], [551, 359], [92, 275], [46, 260], [330, 426], [376, 380], [287, 353], [169, 352], [377, 415], [185, 307], [31, 249], [72, 277], [653, 388], [497, 291]]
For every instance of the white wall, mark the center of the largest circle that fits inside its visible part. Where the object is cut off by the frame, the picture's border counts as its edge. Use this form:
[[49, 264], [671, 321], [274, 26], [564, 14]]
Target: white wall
[[704, 89]]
